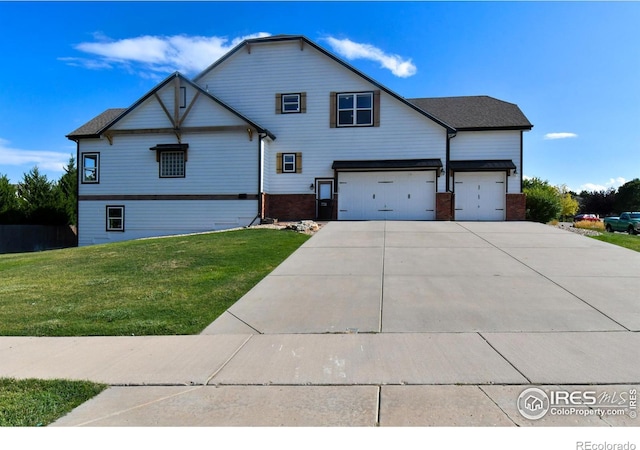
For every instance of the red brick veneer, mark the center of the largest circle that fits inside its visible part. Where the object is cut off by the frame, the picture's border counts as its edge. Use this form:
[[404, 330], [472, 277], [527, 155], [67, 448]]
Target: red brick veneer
[[516, 207], [290, 206], [444, 206]]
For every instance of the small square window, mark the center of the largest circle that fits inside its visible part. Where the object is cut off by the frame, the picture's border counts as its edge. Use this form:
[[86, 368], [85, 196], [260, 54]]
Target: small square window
[[172, 164], [90, 168], [289, 162], [290, 103], [115, 218]]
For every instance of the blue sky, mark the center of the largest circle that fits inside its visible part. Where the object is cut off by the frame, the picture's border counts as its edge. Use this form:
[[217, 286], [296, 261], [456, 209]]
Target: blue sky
[[572, 67]]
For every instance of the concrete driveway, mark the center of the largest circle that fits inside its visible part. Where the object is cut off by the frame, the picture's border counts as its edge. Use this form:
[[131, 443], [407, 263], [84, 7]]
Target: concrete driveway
[[381, 323], [424, 277]]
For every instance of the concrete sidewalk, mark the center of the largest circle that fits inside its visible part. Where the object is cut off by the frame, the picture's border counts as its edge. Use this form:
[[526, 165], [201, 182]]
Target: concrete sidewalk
[[379, 323]]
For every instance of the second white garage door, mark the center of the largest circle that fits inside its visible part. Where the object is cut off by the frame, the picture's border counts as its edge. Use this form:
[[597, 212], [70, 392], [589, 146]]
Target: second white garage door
[[480, 196], [386, 195]]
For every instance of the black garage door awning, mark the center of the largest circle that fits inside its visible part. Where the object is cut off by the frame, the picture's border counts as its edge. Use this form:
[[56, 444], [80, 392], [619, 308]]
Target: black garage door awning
[[388, 164], [485, 165]]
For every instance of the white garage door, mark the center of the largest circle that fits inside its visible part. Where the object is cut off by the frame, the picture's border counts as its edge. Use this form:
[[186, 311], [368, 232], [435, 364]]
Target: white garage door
[[386, 195], [480, 195]]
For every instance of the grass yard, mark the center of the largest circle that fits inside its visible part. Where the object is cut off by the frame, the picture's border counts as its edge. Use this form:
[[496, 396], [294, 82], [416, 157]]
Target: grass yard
[[166, 286], [31, 403], [621, 239]]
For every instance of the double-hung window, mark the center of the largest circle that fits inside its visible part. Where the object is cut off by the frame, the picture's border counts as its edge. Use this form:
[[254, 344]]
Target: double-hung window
[[289, 162], [90, 168], [115, 218], [355, 109]]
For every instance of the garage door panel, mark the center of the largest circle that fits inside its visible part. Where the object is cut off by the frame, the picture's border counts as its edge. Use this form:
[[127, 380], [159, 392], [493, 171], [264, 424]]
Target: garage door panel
[[480, 196], [386, 195]]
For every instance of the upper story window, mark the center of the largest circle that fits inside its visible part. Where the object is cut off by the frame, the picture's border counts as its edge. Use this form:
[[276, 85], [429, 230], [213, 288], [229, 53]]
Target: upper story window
[[291, 103], [172, 164], [172, 159], [90, 168], [355, 109]]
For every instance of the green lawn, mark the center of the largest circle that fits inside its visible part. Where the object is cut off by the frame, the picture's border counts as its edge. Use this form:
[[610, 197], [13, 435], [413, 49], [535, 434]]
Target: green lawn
[[167, 286], [32, 403], [623, 240]]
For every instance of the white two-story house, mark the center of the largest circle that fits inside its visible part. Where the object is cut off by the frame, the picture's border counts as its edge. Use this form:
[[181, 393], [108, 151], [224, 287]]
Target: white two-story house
[[281, 128]]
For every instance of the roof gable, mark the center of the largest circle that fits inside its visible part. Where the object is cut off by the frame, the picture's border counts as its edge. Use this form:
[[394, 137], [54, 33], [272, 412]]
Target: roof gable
[[108, 119], [247, 44]]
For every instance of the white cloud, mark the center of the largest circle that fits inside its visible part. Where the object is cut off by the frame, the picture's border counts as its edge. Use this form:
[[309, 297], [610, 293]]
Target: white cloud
[[614, 183], [46, 160], [398, 65], [552, 136], [165, 54]]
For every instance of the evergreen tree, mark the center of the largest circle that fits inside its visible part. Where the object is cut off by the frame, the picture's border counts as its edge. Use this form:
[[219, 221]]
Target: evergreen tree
[[37, 200], [66, 192], [9, 208]]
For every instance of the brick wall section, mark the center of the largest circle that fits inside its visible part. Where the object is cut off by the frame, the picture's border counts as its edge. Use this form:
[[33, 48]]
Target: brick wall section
[[444, 206], [290, 206], [264, 207], [516, 207]]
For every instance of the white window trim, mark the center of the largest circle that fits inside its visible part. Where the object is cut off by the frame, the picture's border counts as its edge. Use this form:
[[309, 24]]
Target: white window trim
[[297, 102], [355, 109], [285, 162], [109, 226], [184, 163], [95, 169]]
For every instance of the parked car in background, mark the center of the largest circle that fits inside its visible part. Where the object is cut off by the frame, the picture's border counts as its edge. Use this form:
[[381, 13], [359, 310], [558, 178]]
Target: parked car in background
[[589, 217], [627, 222]]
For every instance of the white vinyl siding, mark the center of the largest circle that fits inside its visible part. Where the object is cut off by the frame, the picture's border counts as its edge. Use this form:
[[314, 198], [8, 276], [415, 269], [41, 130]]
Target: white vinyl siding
[[220, 163], [146, 218], [403, 133], [487, 145]]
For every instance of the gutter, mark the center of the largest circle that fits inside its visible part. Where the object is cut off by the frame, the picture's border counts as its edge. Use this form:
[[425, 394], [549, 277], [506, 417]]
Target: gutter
[[261, 136], [448, 160]]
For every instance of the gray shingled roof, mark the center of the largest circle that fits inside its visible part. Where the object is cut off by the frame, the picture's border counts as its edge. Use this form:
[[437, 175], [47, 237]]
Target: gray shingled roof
[[474, 113], [93, 127]]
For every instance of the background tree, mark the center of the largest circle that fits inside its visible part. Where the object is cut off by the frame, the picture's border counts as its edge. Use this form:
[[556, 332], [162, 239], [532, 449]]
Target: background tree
[[9, 208], [66, 192], [628, 197], [37, 200], [542, 201], [598, 202], [568, 203]]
